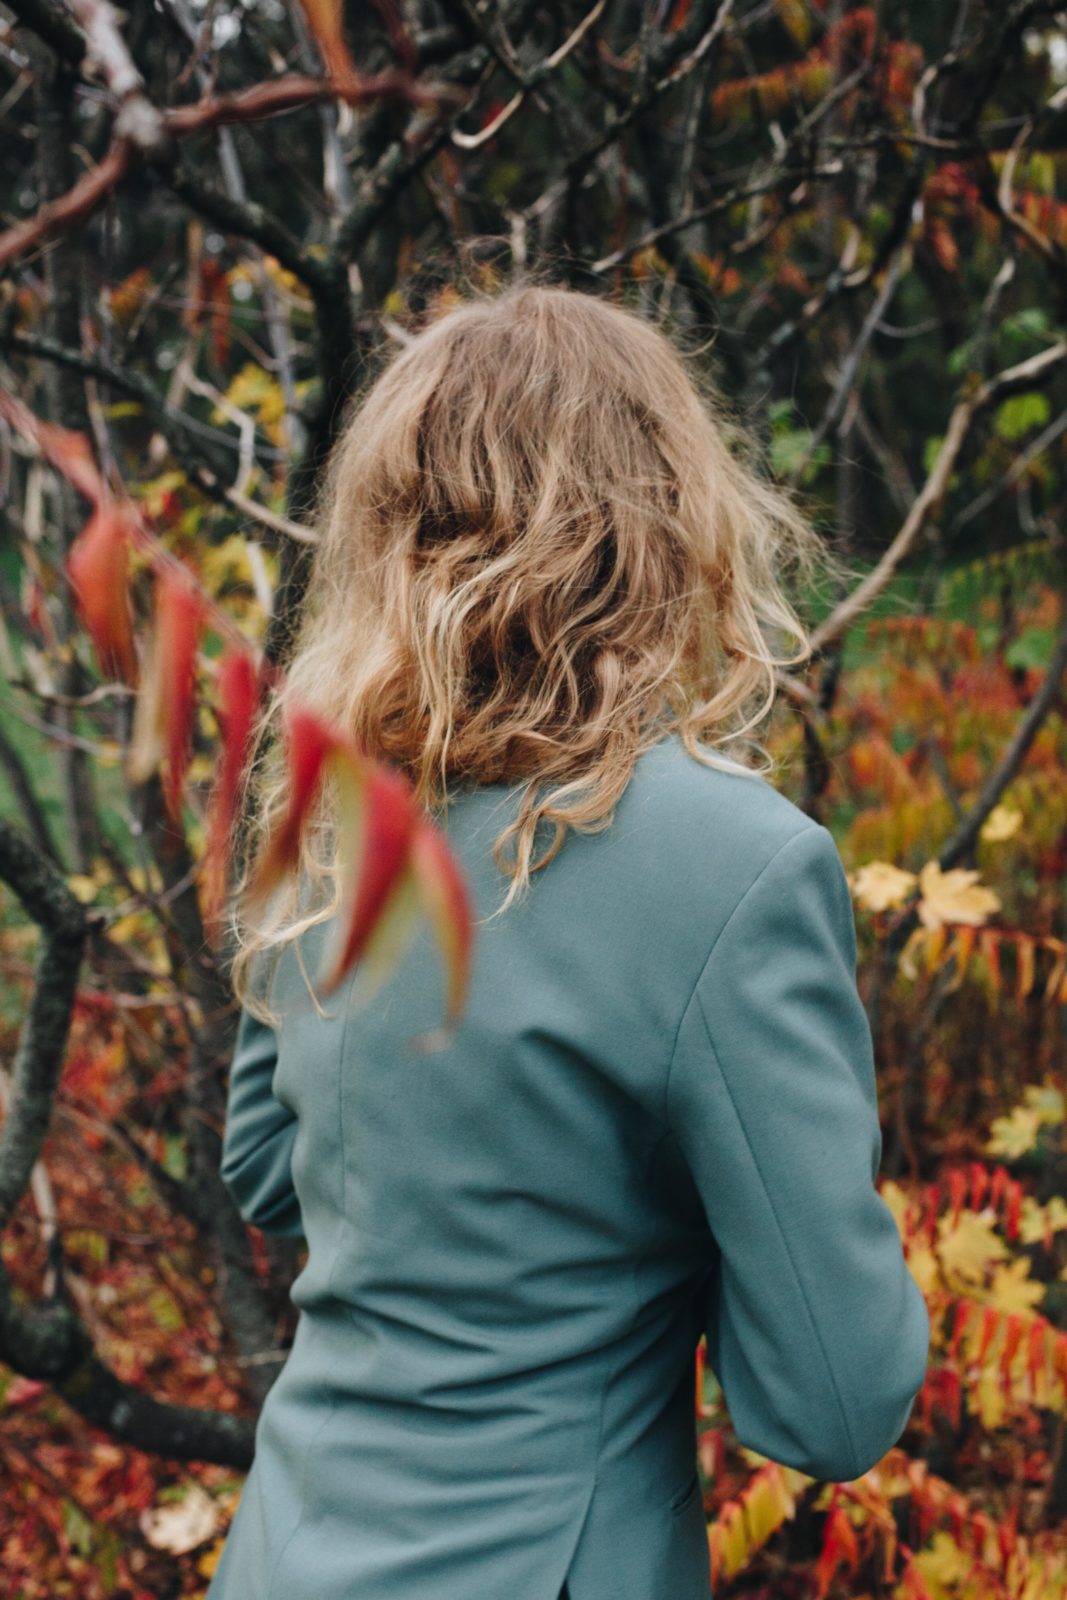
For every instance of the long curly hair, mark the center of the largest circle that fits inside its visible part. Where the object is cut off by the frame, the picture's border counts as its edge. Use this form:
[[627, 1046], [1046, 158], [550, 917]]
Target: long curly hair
[[544, 542]]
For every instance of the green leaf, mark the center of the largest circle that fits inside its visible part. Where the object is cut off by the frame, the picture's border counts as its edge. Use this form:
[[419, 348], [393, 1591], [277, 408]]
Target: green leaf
[[1032, 649], [1020, 414], [175, 1157], [78, 1528], [166, 1311]]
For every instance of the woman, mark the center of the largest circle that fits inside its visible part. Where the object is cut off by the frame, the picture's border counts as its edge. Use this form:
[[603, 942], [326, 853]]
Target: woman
[[546, 590]]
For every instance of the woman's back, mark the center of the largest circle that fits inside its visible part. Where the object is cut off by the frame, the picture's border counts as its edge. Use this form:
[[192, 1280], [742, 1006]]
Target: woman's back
[[656, 1118]]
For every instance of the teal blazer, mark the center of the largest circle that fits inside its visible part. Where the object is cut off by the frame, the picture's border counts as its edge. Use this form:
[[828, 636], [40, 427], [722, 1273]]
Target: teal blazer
[[657, 1119]]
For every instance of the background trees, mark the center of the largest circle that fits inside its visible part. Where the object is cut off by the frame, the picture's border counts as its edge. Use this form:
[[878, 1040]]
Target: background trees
[[215, 218]]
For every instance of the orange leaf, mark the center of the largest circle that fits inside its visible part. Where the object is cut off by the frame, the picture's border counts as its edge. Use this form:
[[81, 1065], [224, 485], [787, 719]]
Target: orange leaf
[[97, 565], [964, 1311], [1012, 1337], [1012, 1207], [963, 944], [991, 1319], [326, 21], [237, 685], [71, 453], [1037, 1350], [1025, 966], [163, 716]]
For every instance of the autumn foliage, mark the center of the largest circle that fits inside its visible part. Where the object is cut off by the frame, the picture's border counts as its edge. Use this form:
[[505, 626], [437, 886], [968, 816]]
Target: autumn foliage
[[210, 230]]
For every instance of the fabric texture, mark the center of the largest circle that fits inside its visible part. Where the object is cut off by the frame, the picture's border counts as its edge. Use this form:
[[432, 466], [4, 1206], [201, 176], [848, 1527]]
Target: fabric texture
[[657, 1119]]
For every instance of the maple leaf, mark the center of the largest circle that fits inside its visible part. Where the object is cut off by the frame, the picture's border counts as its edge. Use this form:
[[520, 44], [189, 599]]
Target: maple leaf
[[877, 885], [1013, 1289], [968, 1248], [953, 896], [1038, 1221], [1014, 1135]]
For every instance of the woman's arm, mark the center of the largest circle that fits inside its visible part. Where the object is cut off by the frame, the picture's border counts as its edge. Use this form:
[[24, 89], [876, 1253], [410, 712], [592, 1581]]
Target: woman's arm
[[258, 1140], [816, 1329]]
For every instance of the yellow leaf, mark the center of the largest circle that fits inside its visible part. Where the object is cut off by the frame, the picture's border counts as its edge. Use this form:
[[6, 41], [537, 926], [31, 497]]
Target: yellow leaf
[[1012, 1136], [943, 1565], [953, 896], [924, 1267], [1050, 1103], [210, 1559], [967, 1250], [989, 1398], [878, 885], [253, 389], [896, 1200], [1035, 1220], [1013, 1289], [1001, 823]]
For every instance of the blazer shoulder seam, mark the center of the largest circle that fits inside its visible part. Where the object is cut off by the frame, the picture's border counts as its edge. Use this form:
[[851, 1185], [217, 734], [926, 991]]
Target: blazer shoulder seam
[[799, 834]]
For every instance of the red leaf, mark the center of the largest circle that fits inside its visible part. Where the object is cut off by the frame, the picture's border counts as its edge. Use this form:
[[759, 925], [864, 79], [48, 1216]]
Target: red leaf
[[395, 858], [308, 743], [964, 1310], [979, 1184], [1037, 1353], [97, 565], [839, 1549], [957, 1191], [383, 819], [237, 685], [166, 706], [22, 1392], [932, 1194]]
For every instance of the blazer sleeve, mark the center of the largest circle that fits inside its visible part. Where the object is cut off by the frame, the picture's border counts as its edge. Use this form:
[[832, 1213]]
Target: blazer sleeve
[[258, 1139], [815, 1327]]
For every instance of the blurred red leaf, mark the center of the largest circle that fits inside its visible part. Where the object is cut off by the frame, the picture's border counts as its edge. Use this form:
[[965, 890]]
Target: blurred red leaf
[[379, 822], [237, 688], [163, 717], [97, 565], [394, 860]]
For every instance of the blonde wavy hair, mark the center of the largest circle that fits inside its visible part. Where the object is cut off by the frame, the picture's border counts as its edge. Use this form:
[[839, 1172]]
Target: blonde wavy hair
[[541, 548]]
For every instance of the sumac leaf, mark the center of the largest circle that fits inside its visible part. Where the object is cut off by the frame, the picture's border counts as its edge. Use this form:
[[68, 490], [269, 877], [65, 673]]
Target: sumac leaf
[[98, 565], [166, 705]]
